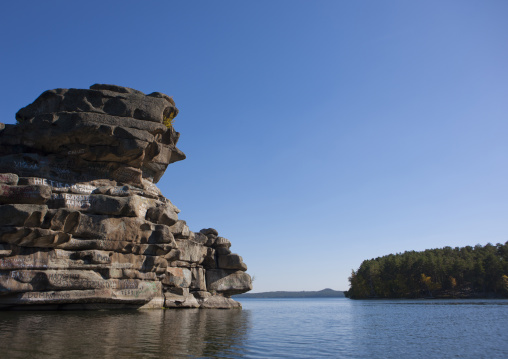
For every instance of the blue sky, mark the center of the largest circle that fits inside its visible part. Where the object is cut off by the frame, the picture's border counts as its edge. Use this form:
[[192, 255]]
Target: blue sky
[[318, 133]]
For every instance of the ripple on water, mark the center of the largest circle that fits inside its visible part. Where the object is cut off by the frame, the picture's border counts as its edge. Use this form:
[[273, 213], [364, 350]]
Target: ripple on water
[[320, 328]]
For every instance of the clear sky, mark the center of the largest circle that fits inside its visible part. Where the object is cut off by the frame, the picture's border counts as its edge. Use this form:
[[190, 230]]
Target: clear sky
[[318, 133]]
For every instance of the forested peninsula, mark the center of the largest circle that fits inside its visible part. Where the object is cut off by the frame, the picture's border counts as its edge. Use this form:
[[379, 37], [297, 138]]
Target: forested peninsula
[[465, 272]]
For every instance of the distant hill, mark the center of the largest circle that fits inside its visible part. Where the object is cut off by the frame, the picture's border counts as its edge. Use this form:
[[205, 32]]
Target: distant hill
[[325, 293]]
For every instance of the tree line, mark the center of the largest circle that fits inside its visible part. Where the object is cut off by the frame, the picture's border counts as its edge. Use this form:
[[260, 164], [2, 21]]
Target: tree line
[[465, 272]]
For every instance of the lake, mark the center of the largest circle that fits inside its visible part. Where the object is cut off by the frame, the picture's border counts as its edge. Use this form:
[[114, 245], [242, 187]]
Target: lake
[[267, 328]]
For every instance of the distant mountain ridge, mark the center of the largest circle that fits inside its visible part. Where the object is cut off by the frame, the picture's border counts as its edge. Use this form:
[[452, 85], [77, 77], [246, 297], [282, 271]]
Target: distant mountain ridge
[[325, 293]]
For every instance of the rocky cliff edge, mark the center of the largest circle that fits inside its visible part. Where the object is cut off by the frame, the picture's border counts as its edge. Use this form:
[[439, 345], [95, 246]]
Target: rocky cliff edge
[[82, 223]]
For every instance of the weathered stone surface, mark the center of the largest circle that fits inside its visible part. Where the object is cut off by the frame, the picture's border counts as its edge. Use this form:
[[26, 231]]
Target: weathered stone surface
[[130, 229], [9, 178], [62, 219], [164, 214], [22, 215], [198, 279], [200, 238], [210, 260], [102, 125], [178, 277], [231, 261], [180, 301], [82, 224], [180, 229], [140, 293], [218, 302], [222, 251], [191, 251], [208, 231], [115, 206], [24, 194], [5, 250], [222, 242], [228, 282]]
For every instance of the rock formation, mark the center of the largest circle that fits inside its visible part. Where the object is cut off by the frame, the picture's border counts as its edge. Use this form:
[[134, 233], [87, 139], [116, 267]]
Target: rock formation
[[82, 224]]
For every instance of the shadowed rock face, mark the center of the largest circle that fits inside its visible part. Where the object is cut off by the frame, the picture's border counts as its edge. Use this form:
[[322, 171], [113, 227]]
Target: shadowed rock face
[[82, 224]]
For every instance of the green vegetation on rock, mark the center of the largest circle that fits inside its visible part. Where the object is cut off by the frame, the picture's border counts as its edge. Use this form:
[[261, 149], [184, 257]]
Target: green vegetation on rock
[[465, 272], [169, 119]]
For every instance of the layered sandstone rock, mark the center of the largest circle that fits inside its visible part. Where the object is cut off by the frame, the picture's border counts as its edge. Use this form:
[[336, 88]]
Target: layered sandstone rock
[[82, 224]]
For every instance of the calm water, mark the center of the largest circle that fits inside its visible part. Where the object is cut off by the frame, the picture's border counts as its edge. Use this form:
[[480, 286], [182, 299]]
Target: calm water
[[267, 328]]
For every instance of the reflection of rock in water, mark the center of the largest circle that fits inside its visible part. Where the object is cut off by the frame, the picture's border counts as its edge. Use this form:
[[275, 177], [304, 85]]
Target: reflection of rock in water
[[209, 333], [147, 334]]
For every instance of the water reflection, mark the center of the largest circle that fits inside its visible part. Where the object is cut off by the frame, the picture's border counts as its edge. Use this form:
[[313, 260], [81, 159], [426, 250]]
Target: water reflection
[[145, 334], [430, 328], [291, 328]]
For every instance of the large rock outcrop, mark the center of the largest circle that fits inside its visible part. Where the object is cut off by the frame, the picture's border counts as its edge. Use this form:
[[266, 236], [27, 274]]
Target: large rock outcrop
[[82, 224]]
